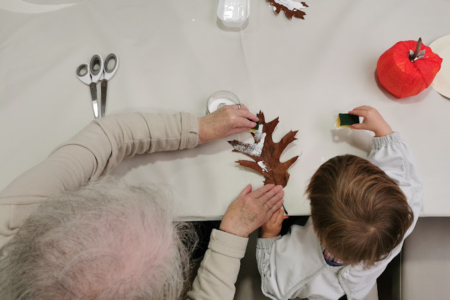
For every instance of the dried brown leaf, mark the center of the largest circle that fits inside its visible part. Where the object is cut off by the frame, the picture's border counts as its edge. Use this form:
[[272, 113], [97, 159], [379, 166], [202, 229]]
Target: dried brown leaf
[[289, 13], [269, 153]]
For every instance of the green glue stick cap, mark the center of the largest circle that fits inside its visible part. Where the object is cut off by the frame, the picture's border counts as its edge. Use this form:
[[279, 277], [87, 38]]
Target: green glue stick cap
[[346, 120], [254, 129]]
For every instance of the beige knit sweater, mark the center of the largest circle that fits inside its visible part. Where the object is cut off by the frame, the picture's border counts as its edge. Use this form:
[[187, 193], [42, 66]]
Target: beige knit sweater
[[98, 149]]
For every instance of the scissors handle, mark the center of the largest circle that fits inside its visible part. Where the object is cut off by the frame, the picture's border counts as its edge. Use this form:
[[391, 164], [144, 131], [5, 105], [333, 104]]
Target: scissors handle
[[96, 67], [83, 73], [110, 65], [93, 88], [104, 88]]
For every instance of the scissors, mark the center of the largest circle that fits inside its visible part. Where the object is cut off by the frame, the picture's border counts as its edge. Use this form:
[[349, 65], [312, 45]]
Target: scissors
[[98, 70]]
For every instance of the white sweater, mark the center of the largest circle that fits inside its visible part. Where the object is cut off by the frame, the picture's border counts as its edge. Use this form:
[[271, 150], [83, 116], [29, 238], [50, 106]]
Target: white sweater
[[96, 150], [293, 265]]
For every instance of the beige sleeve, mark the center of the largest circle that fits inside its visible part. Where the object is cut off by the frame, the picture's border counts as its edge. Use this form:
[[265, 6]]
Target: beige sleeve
[[220, 267], [94, 151]]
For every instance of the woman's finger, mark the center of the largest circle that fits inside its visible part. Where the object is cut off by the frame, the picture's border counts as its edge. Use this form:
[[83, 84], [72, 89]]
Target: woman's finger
[[271, 202], [271, 193], [236, 107], [244, 106], [247, 190], [248, 115], [262, 190], [243, 122], [277, 206], [274, 200]]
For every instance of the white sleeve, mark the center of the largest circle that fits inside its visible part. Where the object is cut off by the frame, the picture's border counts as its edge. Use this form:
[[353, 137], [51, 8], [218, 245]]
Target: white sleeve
[[267, 267], [287, 263]]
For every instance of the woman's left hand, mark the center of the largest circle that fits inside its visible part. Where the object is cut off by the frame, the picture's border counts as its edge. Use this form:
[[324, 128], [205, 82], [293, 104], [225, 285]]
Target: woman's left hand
[[224, 122], [252, 209]]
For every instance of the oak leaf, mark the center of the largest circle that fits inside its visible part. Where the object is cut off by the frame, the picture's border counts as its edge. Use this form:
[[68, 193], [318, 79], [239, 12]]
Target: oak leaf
[[266, 154], [277, 8]]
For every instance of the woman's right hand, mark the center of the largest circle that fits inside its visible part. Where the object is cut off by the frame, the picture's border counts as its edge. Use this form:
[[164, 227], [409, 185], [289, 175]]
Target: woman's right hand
[[252, 209], [224, 122], [373, 121]]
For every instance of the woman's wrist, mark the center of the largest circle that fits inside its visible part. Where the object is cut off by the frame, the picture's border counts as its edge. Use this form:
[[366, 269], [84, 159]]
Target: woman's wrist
[[233, 230], [201, 131]]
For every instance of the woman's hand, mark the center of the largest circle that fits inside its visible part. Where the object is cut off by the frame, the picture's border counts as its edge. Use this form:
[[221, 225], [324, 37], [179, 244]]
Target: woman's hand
[[373, 121], [224, 122], [252, 209], [272, 227]]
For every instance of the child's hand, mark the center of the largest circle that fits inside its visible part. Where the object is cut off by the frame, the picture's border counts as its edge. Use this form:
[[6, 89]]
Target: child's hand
[[272, 227], [372, 121]]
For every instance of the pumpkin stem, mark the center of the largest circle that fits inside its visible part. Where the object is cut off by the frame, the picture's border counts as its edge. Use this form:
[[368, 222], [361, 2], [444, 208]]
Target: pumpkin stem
[[417, 54]]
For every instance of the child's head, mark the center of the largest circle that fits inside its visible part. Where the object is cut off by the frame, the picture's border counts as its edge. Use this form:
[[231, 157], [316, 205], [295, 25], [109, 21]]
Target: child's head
[[359, 213]]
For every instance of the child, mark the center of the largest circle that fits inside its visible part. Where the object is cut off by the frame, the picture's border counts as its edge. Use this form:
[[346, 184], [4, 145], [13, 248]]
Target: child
[[361, 212]]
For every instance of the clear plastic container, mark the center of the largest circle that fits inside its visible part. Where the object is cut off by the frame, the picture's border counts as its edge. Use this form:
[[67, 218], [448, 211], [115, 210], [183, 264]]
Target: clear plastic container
[[220, 99], [233, 13]]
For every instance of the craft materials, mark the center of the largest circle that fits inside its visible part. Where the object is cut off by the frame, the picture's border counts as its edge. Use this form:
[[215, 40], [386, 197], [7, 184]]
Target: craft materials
[[407, 68], [263, 166], [441, 82], [346, 120], [220, 99], [254, 149], [233, 13], [98, 70], [266, 154], [291, 8], [254, 129]]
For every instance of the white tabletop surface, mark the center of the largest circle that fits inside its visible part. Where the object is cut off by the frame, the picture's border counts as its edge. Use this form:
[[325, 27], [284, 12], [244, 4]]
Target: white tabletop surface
[[174, 54]]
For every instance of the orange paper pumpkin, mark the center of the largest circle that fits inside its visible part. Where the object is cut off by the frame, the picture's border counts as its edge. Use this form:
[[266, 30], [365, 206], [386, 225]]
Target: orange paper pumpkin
[[404, 73]]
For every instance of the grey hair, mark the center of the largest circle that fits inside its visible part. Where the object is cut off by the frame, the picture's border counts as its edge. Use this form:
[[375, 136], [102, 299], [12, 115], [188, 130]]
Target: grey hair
[[106, 241]]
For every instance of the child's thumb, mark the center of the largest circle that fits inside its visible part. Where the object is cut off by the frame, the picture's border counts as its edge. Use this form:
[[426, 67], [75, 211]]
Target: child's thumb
[[357, 126]]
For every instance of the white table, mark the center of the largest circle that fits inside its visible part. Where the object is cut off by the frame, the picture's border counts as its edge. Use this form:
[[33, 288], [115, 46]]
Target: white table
[[174, 54]]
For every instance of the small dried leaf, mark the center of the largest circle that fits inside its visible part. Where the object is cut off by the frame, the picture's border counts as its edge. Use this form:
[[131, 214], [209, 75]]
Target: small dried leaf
[[266, 154], [288, 12]]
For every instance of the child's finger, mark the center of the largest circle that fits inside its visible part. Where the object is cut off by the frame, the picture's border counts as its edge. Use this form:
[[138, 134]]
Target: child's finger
[[359, 112], [273, 218], [363, 107], [357, 126], [280, 216]]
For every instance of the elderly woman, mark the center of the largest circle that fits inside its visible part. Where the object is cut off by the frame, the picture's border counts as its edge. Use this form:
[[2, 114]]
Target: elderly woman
[[65, 235]]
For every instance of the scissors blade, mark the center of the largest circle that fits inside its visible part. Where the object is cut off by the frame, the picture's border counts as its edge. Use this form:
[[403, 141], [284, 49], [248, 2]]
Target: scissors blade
[[104, 89], [93, 87]]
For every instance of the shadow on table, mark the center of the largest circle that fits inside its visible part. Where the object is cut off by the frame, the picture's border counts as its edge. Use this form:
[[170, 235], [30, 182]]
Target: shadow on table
[[359, 139], [210, 148], [230, 29]]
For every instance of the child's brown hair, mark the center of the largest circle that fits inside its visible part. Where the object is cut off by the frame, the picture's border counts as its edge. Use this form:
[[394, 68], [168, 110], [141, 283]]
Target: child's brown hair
[[359, 213]]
